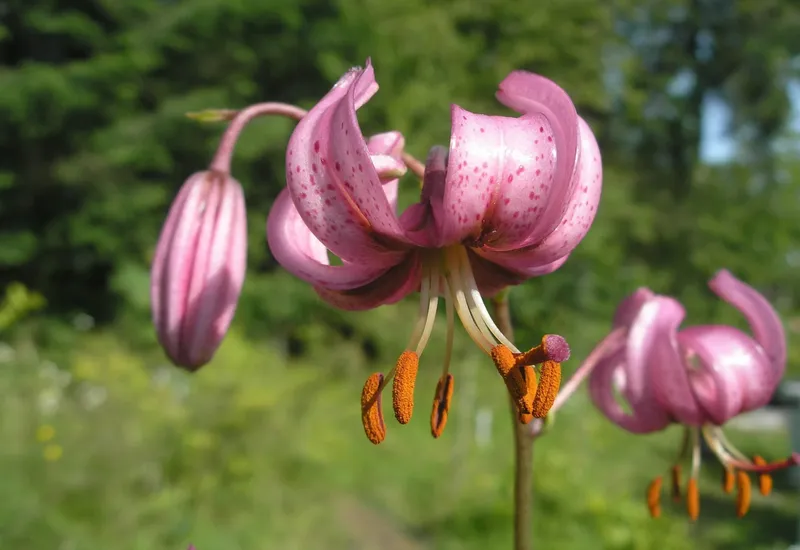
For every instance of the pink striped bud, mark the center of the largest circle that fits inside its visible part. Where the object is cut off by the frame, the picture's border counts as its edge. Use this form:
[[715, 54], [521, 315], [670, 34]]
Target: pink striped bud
[[199, 267]]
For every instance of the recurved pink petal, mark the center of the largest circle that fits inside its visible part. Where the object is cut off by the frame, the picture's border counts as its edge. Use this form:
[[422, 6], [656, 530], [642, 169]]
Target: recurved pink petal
[[524, 171], [333, 182], [387, 143], [398, 282], [764, 321], [392, 144], [476, 162], [739, 372], [387, 167], [645, 416], [352, 167], [653, 348], [303, 255], [490, 277], [530, 93], [518, 264], [199, 268], [577, 219], [628, 309]]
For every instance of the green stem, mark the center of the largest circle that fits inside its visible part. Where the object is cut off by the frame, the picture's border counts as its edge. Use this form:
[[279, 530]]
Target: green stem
[[523, 446]]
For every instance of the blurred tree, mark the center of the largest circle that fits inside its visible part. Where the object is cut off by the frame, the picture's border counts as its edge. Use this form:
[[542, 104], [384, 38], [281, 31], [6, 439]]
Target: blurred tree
[[93, 97]]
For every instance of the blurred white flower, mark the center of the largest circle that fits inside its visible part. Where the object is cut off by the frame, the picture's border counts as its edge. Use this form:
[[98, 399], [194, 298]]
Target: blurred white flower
[[91, 396], [83, 322], [48, 401]]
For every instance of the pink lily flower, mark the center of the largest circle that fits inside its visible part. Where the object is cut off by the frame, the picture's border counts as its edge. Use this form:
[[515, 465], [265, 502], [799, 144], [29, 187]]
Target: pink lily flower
[[508, 200], [699, 377]]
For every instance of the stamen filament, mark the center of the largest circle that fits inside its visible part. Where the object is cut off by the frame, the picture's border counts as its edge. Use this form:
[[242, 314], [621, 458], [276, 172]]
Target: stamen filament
[[462, 309], [424, 307], [696, 456], [450, 314], [457, 265], [433, 303], [483, 317], [676, 483]]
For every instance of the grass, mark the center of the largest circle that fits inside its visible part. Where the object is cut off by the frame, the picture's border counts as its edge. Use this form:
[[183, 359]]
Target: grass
[[112, 448]]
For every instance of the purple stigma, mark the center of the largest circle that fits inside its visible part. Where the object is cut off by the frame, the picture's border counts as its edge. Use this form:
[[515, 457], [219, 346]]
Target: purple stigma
[[556, 348]]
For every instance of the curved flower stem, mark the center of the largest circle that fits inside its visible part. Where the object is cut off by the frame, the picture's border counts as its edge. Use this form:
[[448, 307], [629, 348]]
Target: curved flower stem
[[523, 445], [222, 158]]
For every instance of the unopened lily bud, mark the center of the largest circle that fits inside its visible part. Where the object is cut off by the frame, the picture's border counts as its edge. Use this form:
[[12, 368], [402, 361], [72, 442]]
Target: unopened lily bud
[[199, 267]]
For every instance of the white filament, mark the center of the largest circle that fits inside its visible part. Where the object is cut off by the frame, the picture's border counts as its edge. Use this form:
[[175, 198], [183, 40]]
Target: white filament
[[453, 274], [696, 456], [433, 304], [474, 296]]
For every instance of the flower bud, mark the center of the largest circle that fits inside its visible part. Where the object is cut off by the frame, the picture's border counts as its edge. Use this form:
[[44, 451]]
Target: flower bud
[[199, 267]]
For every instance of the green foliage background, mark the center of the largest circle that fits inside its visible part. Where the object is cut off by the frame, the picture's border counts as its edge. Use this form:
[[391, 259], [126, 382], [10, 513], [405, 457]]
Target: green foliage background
[[106, 446]]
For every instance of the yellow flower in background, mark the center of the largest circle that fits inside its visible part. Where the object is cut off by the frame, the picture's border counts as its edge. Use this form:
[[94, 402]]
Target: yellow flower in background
[[45, 432], [52, 452]]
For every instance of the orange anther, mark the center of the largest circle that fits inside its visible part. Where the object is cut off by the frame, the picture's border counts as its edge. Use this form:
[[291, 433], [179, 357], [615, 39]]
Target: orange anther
[[549, 383], [524, 418], [441, 404], [693, 499], [727, 480], [371, 413], [676, 483], [525, 403], [743, 493], [405, 375], [512, 375], [764, 479], [654, 497]]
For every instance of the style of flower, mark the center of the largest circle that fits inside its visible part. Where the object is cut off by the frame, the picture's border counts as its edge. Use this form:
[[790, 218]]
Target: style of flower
[[508, 200], [699, 377]]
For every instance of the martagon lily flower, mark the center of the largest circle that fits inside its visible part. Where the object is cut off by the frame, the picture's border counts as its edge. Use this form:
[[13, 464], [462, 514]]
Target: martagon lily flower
[[699, 377], [508, 200]]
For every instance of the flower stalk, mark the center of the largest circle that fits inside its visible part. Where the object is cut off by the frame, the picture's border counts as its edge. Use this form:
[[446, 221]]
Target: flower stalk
[[523, 445]]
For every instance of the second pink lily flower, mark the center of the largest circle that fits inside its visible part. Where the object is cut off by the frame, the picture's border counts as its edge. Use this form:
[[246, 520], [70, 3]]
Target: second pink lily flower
[[508, 200], [698, 376]]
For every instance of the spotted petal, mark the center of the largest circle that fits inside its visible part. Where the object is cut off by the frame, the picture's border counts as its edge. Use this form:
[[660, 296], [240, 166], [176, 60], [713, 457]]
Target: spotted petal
[[333, 182], [573, 227], [297, 249], [487, 155], [530, 93]]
